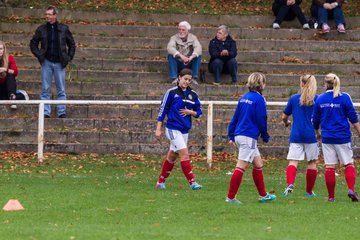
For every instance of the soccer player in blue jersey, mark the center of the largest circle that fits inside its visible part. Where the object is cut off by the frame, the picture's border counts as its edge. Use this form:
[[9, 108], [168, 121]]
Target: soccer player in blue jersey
[[179, 104], [302, 140], [332, 112], [248, 123]]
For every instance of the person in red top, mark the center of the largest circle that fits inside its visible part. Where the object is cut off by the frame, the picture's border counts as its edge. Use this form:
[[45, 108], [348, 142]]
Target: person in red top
[[8, 72]]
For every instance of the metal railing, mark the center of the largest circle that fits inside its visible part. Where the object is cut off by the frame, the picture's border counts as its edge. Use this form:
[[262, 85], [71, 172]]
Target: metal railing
[[41, 103]]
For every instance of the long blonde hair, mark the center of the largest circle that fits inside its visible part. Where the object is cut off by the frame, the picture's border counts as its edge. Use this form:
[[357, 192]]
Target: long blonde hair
[[4, 60], [308, 90], [333, 81], [256, 82]]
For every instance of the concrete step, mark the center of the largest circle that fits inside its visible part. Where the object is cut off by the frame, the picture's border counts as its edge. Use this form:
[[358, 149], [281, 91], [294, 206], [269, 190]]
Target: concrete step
[[87, 90], [161, 43], [162, 66], [201, 32], [133, 112], [82, 54], [115, 137], [133, 77], [164, 19], [118, 125], [131, 138], [141, 96], [157, 149]]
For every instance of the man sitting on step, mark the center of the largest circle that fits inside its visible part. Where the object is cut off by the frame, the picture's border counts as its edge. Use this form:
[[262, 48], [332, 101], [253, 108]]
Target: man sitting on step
[[223, 53], [184, 51]]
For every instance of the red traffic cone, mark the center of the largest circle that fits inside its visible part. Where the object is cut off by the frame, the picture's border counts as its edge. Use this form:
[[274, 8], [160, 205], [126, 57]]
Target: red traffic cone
[[13, 205]]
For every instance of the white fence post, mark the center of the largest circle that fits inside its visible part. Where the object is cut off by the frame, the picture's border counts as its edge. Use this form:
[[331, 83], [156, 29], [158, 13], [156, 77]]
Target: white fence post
[[41, 133], [209, 141]]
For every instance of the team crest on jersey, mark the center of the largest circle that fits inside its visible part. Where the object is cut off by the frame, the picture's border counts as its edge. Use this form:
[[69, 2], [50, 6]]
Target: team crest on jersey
[[176, 96], [190, 97]]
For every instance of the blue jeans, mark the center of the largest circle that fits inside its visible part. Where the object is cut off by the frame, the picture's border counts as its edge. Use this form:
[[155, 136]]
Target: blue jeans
[[175, 66], [219, 66], [323, 15], [48, 69]]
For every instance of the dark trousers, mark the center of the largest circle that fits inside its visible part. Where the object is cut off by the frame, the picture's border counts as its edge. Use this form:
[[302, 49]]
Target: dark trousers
[[289, 13], [8, 87], [218, 66]]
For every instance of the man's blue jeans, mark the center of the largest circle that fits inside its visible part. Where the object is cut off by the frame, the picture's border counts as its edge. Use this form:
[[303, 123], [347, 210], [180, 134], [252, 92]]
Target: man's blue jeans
[[48, 69], [323, 15], [175, 66]]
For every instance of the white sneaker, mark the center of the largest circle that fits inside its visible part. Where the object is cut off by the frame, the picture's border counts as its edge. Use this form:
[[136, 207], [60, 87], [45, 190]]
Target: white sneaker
[[306, 26], [13, 97], [276, 26]]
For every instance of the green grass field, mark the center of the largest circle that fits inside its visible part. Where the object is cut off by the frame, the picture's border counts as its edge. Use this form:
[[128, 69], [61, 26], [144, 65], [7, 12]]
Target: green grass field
[[114, 197]]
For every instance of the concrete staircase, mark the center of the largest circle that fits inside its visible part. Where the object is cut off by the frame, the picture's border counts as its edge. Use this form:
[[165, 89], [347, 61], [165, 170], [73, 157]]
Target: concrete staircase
[[123, 57]]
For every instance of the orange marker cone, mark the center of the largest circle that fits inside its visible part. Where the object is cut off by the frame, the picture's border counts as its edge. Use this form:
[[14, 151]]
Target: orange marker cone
[[13, 205]]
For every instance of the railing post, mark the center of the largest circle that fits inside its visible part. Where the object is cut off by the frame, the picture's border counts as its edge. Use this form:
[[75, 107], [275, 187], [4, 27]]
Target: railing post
[[41, 133], [209, 134]]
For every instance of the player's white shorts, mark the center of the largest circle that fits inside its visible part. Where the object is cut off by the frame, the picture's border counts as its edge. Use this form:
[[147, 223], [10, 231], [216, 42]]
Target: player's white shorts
[[177, 139], [334, 153], [298, 151], [248, 149]]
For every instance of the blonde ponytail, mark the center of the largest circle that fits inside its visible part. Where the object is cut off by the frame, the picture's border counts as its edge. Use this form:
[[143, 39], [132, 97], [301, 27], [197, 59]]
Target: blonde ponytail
[[333, 82], [308, 90]]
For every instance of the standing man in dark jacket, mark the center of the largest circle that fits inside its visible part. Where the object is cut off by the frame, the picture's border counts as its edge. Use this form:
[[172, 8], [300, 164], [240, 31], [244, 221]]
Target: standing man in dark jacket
[[57, 49], [223, 53]]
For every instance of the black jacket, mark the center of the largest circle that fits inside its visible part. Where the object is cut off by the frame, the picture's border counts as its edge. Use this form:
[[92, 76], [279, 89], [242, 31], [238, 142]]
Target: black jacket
[[216, 46], [277, 4], [65, 40]]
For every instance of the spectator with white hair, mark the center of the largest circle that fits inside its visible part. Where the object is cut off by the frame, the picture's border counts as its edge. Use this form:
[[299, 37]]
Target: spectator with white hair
[[184, 51], [223, 53]]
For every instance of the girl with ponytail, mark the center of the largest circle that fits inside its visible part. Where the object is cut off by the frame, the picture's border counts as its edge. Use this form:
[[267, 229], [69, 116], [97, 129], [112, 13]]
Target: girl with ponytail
[[249, 122], [302, 140], [332, 112]]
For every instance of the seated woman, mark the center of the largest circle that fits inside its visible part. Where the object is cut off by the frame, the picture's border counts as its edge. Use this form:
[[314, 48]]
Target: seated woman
[[324, 10], [288, 10], [8, 72]]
